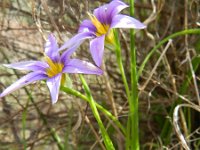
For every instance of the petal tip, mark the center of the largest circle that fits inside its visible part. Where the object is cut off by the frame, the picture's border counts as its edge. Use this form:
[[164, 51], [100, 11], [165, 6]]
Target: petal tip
[[6, 65], [3, 94], [53, 102], [101, 72], [143, 26], [51, 36]]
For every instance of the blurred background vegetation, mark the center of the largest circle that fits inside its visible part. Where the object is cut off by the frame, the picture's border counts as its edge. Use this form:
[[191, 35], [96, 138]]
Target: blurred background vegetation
[[24, 26]]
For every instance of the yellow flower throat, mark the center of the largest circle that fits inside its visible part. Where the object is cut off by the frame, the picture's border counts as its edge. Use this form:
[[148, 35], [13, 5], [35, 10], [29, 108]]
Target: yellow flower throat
[[54, 68], [102, 29]]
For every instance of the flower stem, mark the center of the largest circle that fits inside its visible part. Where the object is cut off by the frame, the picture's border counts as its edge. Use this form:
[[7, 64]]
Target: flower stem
[[134, 118], [120, 63], [106, 138], [132, 124]]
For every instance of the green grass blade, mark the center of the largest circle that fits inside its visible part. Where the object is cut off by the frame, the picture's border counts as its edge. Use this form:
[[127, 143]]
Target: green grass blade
[[133, 112], [177, 34]]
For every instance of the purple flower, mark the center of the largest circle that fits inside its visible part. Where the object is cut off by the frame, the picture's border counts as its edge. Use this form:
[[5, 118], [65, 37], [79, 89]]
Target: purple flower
[[99, 28], [52, 69]]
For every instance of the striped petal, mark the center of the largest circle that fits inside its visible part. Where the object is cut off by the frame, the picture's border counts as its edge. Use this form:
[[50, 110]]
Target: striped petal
[[87, 26], [51, 48], [77, 39], [97, 49], [66, 55], [54, 87], [124, 21], [106, 12], [79, 66], [115, 7], [28, 65], [101, 14], [25, 80]]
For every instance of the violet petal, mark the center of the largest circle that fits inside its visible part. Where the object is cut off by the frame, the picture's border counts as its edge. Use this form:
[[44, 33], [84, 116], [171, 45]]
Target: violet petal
[[28, 65], [79, 66], [124, 21], [114, 8], [87, 26], [65, 57], [51, 48], [54, 87], [25, 80], [77, 39], [101, 14], [97, 49]]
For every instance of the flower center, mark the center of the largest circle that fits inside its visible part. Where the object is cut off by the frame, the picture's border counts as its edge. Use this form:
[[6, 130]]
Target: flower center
[[54, 68], [102, 29]]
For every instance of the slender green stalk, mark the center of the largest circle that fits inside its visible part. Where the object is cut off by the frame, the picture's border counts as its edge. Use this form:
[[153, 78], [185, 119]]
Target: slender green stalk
[[107, 141], [101, 108], [180, 33], [53, 133], [121, 68], [134, 138], [120, 63]]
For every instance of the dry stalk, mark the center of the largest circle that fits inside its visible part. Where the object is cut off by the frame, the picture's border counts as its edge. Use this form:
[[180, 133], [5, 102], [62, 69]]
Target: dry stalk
[[37, 20], [155, 66], [188, 57], [44, 4], [176, 125], [99, 140], [109, 90]]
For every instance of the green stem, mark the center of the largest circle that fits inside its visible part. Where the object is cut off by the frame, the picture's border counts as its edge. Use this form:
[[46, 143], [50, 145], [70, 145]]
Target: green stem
[[134, 91], [106, 138], [132, 124], [120, 63], [102, 109]]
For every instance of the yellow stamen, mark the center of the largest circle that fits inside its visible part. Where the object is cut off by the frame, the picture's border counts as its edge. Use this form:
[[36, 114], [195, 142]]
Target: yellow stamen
[[54, 68], [102, 29]]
